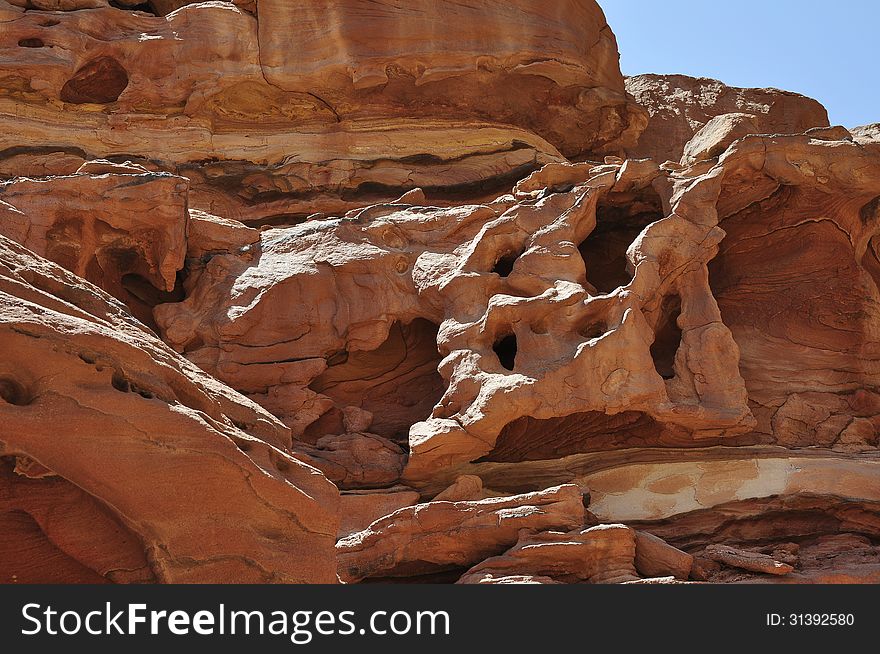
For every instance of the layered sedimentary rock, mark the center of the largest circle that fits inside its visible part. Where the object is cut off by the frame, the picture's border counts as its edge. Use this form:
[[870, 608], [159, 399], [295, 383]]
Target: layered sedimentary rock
[[489, 93], [438, 536], [680, 106], [597, 555], [122, 461], [123, 231], [504, 293], [867, 133], [444, 304]]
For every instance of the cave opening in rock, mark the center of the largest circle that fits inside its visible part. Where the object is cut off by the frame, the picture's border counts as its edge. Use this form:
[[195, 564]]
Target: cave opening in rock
[[533, 439], [31, 43], [593, 329], [145, 7], [505, 349], [504, 265], [618, 224], [398, 383], [12, 392], [100, 81], [667, 337]]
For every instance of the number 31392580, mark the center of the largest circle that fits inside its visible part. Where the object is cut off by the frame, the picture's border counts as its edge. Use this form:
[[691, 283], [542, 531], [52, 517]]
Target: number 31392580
[[821, 619]]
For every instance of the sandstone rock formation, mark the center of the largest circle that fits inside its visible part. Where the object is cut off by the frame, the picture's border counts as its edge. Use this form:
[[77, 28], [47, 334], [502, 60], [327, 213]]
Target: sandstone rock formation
[[680, 106], [131, 464], [464, 109], [342, 291], [438, 536]]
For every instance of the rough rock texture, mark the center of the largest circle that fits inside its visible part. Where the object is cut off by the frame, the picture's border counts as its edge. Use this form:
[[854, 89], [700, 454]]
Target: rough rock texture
[[599, 555], [463, 108], [680, 106], [137, 450], [867, 133], [123, 232], [359, 509], [752, 561], [655, 558], [440, 536], [519, 313], [338, 290]]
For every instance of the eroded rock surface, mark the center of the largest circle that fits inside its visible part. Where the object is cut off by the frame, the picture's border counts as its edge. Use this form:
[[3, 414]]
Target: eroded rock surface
[[489, 93], [253, 254], [135, 441], [438, 536], [680, 106]]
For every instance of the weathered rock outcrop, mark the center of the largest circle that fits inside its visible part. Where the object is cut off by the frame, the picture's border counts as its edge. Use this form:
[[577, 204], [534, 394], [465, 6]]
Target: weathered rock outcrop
[[597, 555], [124, 232], [489, 93], [438, 536], [680, 106], [319, 291], [519, 311], [136, 465], [867, 133]]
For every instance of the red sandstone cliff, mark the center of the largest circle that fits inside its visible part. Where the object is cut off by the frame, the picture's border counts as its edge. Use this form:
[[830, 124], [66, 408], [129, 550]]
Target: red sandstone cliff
[[341, 290]]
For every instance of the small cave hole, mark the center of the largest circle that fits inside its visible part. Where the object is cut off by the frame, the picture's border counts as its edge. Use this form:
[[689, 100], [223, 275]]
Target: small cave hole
[[593, 330], [49, 22], [504, 265], [667, 338], [618, 225], [120, 383], [145, 7], [398, 383], [338, 358], [12, 392], [31, 43], [100, 81], [506, 349], [143, 289]]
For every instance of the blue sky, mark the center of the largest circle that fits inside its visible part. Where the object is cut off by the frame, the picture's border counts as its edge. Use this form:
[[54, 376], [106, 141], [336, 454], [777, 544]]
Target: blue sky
[[827, 50]]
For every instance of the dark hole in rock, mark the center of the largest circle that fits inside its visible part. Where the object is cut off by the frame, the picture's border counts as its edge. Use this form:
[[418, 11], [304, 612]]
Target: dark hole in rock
[[871, 211], [533, 439], [337, 358], [397, 382], [31, 43], [506, 350], [139, 294], [12, 392], [100, 81], [504, 265], [667, 337], [593, 330], [50, 22], [120, 383], [145, 7], [559, 188], [617, 227], [141, 288]]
